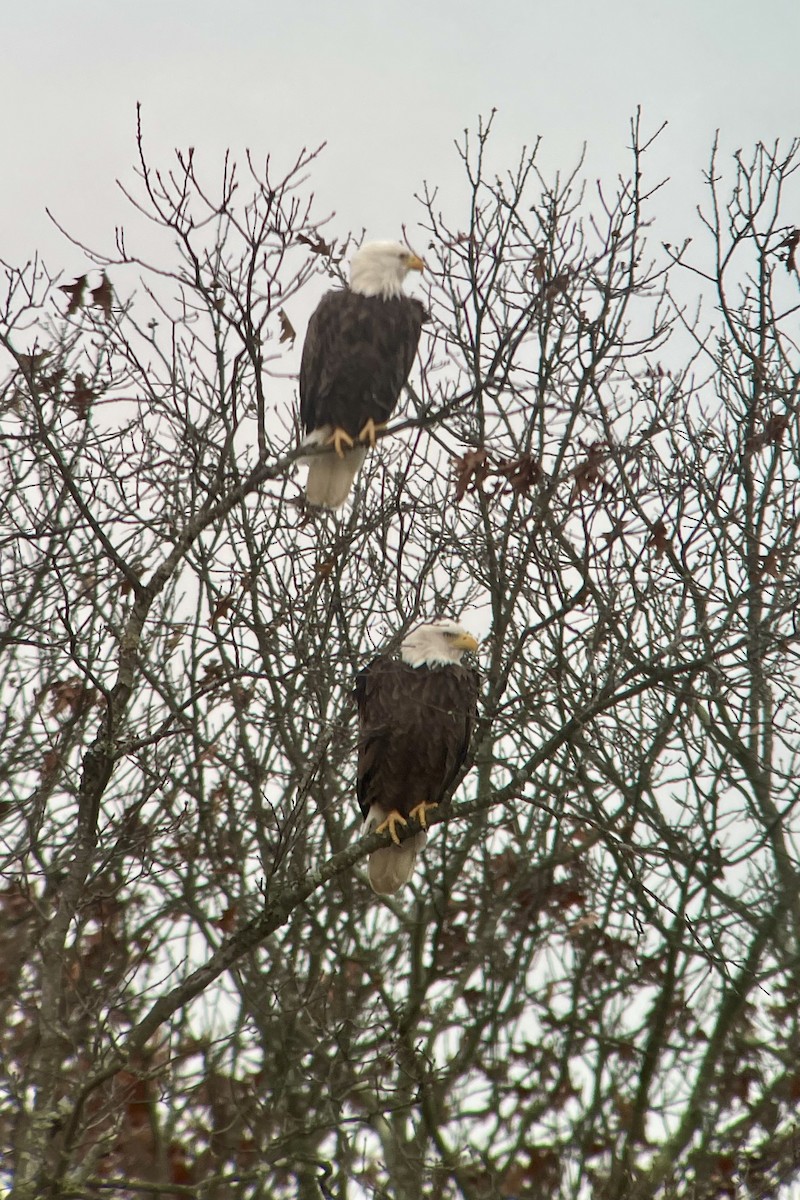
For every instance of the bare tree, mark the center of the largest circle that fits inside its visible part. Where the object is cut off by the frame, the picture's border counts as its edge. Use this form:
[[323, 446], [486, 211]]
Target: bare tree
[[591, 987]]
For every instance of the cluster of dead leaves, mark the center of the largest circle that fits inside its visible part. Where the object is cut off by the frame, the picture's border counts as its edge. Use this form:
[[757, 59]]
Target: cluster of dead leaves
[[531, 894], [102, 296], [70, 696], [50, 383], [31, 364], [324, 567], [523, 473], [605, 957], [476, 466], [536, 1172], [588, 474], [471, 470], [771, 435], [659, 540]]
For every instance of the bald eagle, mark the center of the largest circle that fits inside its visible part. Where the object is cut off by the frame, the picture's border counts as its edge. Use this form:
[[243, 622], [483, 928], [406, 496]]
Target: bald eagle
[[359, 348], [416, 716]]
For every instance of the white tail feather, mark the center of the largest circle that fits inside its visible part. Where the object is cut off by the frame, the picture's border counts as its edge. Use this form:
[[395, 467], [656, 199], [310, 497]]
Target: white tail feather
[[391, 867], [330, 477]]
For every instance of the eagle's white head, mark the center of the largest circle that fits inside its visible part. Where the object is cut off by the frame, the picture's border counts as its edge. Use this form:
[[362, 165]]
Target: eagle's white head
[[436, 644], [379, 268]]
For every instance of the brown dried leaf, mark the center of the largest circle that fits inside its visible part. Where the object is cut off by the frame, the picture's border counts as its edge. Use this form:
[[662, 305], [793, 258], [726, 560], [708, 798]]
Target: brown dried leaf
[[223, 607], [790, 244], [658, 538], [588, 474], [522, 473], [103, 295], [248, 1152], [175, 637], [583, 925], [454, 948], [241, 695], [502, 869], [317, 244], [539, 1176], [15, 902], [471, 471], [771, 434], [49, 765], [82, 396], [227, 922], [288, 333], [138, 1098], [31, 363], [75, 292], [561, 896], [137, 569], [539, 268], [220, 793], [69, 695], [557, 286], [52, 382], [770, 565], [180, 1169]]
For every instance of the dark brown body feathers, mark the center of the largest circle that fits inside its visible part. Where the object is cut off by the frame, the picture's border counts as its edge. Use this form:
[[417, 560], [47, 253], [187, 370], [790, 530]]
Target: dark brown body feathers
[[415, 728], [357, 356]]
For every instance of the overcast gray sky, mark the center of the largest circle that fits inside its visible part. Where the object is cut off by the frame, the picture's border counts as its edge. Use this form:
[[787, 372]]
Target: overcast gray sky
[[388, 85]]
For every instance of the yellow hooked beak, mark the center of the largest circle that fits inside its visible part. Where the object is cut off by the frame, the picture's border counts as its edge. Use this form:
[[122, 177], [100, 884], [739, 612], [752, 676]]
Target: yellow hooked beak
[[465, 641], [415, 263]]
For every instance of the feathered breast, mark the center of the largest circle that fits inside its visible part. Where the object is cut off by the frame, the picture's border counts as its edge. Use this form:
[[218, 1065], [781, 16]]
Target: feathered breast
[[357, 356], [415, 727]]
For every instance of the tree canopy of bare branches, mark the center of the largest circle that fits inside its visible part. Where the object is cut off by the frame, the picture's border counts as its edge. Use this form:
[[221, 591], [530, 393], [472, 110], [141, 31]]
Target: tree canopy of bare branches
[[591, 987]]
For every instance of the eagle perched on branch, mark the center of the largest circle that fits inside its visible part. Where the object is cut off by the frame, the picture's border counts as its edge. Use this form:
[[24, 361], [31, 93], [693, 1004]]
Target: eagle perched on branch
[[359, 349], [415, 716]]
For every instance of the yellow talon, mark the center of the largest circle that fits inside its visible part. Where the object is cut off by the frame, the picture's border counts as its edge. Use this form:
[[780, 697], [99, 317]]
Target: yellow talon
[[340, 439], [420, 812], [390, 826], [370, 432]]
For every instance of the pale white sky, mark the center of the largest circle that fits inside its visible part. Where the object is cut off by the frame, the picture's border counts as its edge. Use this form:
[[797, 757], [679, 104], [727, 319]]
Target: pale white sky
[[388, 83]]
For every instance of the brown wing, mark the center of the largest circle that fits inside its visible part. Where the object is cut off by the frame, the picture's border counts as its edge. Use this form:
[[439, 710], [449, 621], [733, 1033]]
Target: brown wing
[[415, 729], [356, 358]]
